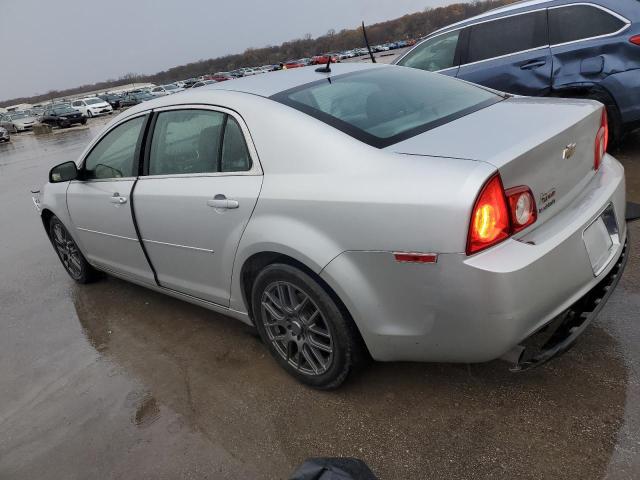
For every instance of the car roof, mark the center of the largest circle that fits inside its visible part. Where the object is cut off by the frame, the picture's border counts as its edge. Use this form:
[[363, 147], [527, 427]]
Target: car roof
[[268, 84]]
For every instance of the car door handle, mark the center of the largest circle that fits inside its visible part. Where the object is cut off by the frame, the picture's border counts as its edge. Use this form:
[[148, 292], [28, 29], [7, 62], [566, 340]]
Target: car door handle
[[220, 201], [533, 65], [116, 198]]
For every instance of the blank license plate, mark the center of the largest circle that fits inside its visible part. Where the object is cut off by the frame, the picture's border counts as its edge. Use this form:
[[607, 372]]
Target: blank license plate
[[599, 243]]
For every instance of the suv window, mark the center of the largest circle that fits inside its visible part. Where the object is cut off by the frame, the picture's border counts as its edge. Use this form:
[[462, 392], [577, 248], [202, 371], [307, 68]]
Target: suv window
[[577, 22], [434, 54], [114, 156], [235, 156], [507, 35], [186, 141]]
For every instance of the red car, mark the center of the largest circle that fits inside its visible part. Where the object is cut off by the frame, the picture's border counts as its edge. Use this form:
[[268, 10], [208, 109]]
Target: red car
[[293, 64], [321, 59], [219, 77]]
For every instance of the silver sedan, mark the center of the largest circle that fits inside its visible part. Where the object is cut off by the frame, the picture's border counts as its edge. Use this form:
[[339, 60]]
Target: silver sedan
[[367, 212]]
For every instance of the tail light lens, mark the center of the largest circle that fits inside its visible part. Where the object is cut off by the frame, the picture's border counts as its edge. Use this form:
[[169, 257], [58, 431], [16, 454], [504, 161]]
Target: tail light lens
[[523, 208], [490, 217], [635, 39], [498, 214], [602, 140]]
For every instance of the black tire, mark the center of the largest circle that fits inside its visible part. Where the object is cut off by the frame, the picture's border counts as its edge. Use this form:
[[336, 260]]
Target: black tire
[[299, 328], [83, 121], [69, 254], [15, 130], [89, 114]]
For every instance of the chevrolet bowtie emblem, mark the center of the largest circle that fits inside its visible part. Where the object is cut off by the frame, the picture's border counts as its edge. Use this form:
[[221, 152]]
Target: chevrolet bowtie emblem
[[568, 151]]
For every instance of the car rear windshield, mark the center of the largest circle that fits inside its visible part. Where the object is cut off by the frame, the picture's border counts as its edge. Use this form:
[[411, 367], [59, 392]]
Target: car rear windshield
[[386, 105]]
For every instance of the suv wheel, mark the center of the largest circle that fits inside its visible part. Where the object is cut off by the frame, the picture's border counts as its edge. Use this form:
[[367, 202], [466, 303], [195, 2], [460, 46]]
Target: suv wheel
[[307, 333]]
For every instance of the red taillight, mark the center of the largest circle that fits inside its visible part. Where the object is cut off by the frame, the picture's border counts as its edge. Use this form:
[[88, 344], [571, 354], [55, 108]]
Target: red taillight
[[635, 39], [498, 214], [602, 140], [405, 257], [490, 218]]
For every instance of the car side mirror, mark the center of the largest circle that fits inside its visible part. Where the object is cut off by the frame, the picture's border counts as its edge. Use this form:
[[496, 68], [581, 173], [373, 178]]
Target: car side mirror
[[64, 172]]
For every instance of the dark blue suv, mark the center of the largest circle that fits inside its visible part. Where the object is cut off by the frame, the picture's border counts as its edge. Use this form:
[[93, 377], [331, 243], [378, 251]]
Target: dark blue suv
[[564, 48]]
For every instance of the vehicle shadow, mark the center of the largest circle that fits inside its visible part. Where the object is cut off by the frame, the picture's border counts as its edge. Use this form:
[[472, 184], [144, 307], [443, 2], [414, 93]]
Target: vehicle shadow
[[405, 420]]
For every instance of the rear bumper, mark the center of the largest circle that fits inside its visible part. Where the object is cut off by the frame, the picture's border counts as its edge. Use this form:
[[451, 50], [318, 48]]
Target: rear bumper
[[561, 333], [476, 309]]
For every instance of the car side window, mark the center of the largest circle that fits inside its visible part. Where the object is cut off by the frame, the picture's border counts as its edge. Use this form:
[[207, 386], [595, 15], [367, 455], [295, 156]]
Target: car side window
[[186, 141], [435, 54], [115, 155], [506, 36], [577, 22], [235, 155]]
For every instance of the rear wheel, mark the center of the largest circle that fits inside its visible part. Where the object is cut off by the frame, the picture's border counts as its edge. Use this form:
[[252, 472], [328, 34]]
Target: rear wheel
[[306, 331], [70, 255]]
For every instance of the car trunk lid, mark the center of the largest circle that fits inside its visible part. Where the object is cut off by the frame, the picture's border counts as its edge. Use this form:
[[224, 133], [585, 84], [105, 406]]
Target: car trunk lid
[[545, 144]]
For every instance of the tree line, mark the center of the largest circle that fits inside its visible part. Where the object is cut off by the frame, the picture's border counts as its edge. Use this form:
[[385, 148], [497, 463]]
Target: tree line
[[409, 26]]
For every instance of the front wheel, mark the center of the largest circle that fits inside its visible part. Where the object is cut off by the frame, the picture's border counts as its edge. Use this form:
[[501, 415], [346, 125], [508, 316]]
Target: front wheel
[[305, 330], [89, 114], [70, 255]]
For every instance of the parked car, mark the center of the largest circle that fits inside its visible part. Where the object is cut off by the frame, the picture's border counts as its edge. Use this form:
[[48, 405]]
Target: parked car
[[322, 59], [135, 98], [4, 135], [221, 76], [18, 121], [203, 83], [62, 116], [558, 49], [112, 99], [163, 90], [293, 64], [92, 107], [395, 239]]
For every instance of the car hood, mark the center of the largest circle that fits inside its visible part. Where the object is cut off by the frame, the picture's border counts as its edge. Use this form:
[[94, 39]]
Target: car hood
[[24, 121], [99, 105]]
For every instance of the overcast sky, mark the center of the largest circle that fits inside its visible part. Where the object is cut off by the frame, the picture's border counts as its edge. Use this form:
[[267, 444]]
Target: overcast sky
[[50, 45]]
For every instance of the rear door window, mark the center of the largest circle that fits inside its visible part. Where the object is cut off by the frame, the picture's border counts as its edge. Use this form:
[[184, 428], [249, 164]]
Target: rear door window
[[579, 22], [437, 53], [507, 36], [186, 141]]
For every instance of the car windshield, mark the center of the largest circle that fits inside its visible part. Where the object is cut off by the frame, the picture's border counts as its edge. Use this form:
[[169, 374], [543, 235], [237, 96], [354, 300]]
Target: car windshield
[[17, 116], [93, 101], [383, 106], [170, 87]]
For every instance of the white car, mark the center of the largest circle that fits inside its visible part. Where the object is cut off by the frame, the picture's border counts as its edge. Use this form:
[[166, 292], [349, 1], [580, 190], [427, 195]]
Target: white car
[[92, 107], [163, 90]]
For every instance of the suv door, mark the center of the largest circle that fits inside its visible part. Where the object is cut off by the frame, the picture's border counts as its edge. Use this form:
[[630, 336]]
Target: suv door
[[581, 46], [99, 203], [440, 53], [510, 54], [200, 188]]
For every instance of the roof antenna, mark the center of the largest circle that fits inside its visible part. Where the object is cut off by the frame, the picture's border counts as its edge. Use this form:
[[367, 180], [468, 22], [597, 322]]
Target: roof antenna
[[366, 40], [326, 68]]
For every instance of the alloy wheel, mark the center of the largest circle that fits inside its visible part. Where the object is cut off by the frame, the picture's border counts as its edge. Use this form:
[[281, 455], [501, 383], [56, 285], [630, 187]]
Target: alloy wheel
[[297, 328], [68, 251]]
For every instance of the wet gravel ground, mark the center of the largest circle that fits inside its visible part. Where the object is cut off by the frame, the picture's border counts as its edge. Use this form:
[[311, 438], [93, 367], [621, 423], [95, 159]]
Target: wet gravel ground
[[111, 380]]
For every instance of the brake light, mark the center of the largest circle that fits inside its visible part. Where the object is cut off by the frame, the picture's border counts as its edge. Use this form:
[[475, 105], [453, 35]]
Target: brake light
[[490, 218], [498, 214], [602, 140], [635, 39]]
